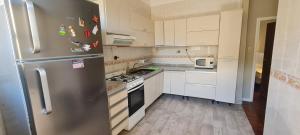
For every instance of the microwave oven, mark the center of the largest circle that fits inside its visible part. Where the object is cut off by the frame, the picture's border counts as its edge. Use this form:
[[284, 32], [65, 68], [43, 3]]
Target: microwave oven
[[205, 62]]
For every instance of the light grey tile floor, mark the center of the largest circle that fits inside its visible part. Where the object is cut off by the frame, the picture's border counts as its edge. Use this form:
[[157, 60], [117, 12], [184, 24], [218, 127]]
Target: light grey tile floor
[[172, 115]]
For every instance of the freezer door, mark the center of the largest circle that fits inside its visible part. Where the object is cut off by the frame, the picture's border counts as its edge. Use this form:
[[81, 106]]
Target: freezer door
[[55, 28], [67, 97]]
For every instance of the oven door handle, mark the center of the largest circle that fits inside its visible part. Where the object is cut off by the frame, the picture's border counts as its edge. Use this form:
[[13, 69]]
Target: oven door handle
[[141, 85]]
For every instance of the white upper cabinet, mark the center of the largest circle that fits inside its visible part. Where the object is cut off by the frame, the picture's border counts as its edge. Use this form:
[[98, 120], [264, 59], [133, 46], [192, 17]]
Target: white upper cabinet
[[159, 33], [180, 32], [203, 23], [230, 34], [113, 16], [203, 30], [169, 33], [130, 17], [203, 38]]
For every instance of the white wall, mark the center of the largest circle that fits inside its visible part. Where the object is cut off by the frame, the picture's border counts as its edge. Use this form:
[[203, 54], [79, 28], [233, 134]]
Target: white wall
[[257, 8], [282, 114], [183, 8]]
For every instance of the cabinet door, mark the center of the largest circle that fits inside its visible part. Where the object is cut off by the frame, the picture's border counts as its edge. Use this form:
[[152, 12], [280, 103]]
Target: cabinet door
[[180, 32], [203, 23], [169, 32], [203, 38], [113, 16], [203, 78], [148, 91], [159, 33], [230, 34], [226, 80], [177, 83], [161, 83], [200, 91], [167, 82]]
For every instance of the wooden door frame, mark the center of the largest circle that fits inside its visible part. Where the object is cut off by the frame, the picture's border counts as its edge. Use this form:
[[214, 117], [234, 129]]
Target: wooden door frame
[[257, 34]]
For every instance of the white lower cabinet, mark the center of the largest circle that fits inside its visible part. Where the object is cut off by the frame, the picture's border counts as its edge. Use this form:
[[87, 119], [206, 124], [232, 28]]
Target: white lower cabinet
[[174, 82], [200, 91], [167, 82], [153, 88], [177, 83]]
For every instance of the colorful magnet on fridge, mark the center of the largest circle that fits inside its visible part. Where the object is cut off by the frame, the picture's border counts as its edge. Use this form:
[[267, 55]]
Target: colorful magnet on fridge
[[62, 30], [77, 43], [86, 47], [95, 30], [81, 22], [95, 44], [87, 33], [77, 50], [95, 19], [72, 31]]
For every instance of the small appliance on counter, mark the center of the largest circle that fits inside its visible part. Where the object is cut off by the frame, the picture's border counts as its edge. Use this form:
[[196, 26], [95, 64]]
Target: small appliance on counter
[[204, 62]]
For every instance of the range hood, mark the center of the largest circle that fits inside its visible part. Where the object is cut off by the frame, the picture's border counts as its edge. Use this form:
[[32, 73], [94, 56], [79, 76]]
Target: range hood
[[119, 39]]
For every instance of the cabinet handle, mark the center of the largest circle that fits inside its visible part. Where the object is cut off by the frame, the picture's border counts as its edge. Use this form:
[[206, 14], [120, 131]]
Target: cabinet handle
[[46, 100]]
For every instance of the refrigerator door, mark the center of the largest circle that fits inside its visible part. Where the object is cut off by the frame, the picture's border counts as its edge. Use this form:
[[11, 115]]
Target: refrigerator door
[[54, 28], [67, 97]]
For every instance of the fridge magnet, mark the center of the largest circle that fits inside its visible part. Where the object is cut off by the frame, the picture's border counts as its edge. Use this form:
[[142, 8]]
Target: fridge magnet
[[77, 64], [95, 19], [62, 30], [95, 44], [86, 47], [81, 22], [77, 50], [77, 43], [87, 33], [95, 30], [72, 31]]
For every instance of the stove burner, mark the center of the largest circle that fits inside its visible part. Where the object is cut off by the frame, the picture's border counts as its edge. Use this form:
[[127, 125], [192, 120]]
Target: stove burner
[[124, 78]]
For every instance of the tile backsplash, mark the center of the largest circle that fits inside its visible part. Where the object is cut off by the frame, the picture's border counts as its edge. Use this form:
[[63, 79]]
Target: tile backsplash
[[127, 57], [178, 55]]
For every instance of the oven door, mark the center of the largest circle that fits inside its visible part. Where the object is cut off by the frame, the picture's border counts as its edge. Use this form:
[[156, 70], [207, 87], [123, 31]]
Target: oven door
[[136, 99]]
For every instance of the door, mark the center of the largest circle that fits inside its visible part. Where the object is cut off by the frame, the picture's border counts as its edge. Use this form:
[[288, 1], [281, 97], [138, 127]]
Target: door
[[169, 32], [226, 80], [178, 83], [67, 97], [229, 44], [167, 82], [55, 28], [268, 57], [136, 99], [159, 33], [180, 32], [149, 91], [203, 23]]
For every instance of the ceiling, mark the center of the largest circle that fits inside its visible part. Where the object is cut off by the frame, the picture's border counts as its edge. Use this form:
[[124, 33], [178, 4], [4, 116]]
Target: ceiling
[[154, 3]]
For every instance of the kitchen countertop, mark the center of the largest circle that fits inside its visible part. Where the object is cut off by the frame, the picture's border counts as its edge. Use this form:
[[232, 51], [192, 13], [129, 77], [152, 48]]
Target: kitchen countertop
[[169, 67], [113, 87]]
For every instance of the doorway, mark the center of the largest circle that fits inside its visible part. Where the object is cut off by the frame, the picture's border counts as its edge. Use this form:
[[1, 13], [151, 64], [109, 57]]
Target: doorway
[[255, 111]]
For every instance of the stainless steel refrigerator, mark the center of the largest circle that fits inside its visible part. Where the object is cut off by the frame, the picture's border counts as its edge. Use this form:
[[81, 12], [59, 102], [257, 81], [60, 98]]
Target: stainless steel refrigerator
[[52, 79]]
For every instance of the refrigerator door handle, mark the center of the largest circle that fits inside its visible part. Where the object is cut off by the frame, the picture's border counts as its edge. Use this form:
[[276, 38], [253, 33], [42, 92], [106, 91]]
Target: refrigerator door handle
[[33, 26], [46, 100]]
